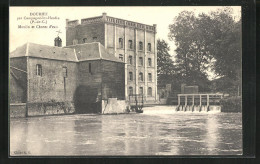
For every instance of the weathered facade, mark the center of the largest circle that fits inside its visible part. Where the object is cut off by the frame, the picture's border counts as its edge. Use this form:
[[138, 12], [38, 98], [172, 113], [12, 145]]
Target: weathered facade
[[133, 43], [43, 76]]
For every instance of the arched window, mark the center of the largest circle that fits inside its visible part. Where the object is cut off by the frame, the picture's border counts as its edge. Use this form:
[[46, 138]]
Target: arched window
[[149, 76], [64, 72], [130, 44], [121, 44], [140, 46], [149, 47], [141, 90], [85, 40], [121, 57], [130, 89], [131, 76], [130, 60], [150, 91], [141, 78], [38, 70], [149, 62], [141, 61]]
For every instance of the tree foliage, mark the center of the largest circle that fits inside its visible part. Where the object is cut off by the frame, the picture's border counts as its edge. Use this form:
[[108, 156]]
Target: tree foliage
[[165, 67], [207, 41]]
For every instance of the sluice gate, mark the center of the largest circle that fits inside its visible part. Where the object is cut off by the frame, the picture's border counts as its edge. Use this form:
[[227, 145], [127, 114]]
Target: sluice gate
[[199, 102], [136, 102]]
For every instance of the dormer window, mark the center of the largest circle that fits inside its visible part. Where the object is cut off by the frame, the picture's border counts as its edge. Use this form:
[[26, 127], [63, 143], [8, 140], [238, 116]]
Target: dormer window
[[94, 39], [85, 40]]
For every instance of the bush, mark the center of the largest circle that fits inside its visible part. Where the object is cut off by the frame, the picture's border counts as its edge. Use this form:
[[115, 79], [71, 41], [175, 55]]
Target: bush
[[231, 104]]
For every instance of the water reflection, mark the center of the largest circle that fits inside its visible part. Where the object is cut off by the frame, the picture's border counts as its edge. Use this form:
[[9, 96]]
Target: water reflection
[[150, 133]]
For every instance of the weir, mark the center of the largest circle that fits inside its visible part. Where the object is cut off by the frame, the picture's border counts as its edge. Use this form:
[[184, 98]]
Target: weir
[[199, 102]]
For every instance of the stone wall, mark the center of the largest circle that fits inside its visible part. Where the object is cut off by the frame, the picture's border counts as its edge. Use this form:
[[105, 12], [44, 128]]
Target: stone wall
[[17, 110], [50, 108], [87, 31], [51, 86], [114, 106]]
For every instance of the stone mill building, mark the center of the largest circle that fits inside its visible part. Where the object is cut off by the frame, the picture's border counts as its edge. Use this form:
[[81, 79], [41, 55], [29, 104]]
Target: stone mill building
[[105, 59], [133, 43]]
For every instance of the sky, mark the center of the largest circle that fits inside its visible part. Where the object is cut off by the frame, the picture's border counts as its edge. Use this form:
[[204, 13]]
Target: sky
[[161, 15]]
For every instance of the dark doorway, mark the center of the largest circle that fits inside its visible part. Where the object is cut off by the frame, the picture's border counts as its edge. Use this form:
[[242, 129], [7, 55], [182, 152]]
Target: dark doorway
[[86, 100]]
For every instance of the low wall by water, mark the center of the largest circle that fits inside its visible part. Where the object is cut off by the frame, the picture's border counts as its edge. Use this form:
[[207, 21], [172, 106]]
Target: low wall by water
[[114, 106], [17, 110], [50, 108]]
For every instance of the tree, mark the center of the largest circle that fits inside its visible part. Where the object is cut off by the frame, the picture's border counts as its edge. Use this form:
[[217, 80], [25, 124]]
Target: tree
[[207, 41], [224, 44], [165, 67], [192, 57]]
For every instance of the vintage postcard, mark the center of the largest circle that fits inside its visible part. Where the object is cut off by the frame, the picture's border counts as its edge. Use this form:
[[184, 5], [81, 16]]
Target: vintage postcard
[[125, 81]]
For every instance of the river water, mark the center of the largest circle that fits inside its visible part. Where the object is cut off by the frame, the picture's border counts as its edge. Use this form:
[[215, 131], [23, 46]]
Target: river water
[[157, 131]]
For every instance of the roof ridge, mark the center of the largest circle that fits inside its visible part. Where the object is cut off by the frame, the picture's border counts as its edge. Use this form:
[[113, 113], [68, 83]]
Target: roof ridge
[[27, 49]]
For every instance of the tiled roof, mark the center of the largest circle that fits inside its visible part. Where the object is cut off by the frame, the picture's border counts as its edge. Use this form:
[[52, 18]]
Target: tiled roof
[[43, 51], [79, 52], [92, 51]]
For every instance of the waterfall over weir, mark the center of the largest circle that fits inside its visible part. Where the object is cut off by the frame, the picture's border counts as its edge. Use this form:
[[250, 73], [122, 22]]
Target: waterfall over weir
[[197, 108], [199, 102]]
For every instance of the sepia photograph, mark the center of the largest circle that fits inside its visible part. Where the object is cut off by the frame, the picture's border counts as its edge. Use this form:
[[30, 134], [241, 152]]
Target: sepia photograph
[[125, 81]]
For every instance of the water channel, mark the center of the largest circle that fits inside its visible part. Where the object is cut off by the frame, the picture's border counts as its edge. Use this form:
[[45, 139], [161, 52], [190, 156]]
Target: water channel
[[157, 131]]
